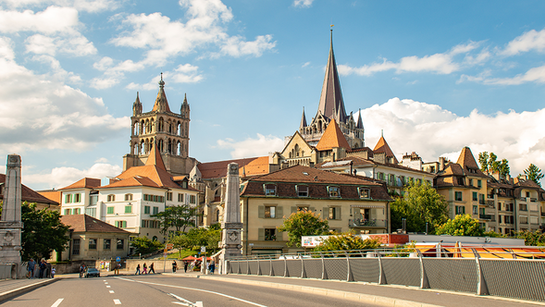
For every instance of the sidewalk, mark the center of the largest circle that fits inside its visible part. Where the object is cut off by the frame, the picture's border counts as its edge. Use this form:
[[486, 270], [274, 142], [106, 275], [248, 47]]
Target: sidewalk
[[385, 295], [10, 288]]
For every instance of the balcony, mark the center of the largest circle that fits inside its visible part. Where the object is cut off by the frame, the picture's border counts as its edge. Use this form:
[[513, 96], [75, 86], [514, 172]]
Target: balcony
[[490, 204], [370, 223], [487, 217]]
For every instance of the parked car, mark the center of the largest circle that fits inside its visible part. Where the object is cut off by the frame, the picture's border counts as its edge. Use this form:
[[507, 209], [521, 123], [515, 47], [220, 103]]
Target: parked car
[[92, 272]]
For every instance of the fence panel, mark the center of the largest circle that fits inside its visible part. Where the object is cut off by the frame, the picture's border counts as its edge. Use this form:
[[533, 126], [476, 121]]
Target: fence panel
[[523, 279], [336, 268], [452, 274], [402, 271], [313, 268], [234, 267], [243, 267], [5, 271], [253, 267], [365, 269], [278, 268], [294, 268], [265, 267]]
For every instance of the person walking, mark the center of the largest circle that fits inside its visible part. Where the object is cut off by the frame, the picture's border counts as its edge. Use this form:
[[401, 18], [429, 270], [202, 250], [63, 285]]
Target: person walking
[[212, 266], [31, 267], [117, 267], [137, 270], [186, 264], [174, 266], [81, 270], [42, 268], [151, 269], [53, 270], [144, 269]]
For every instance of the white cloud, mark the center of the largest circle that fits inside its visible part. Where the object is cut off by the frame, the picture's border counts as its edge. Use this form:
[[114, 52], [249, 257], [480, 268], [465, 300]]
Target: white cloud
[[433, 132], [184, 73], [531, 40], [302, 3], [81, 5], [252, 147], [51, 20], [440, 63], [61, 177]]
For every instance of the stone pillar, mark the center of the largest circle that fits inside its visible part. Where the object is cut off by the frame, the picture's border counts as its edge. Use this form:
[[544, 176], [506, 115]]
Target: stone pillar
[[10, 224], [231, 225]]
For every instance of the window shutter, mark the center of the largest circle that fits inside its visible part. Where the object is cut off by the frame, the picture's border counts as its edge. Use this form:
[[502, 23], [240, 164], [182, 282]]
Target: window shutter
[[338, 213], [261, 212], [279, 212], [325, 213], [261, 234], [293, 209]]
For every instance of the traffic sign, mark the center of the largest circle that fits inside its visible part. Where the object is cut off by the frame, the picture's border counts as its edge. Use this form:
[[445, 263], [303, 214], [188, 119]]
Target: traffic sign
[[118, 259], [170, 246], [203, 249]]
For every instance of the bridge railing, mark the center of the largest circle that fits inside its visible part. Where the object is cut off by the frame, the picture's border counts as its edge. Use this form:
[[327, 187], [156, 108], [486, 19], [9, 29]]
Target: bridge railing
[[511, 274]]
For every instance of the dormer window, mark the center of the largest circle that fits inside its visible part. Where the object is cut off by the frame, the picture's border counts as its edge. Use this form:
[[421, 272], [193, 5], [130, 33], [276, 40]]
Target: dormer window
[[334, 191], [364, 193], [270, 189], [302, 190]]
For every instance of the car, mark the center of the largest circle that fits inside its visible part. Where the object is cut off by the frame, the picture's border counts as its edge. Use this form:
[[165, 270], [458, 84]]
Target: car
[[92, 272]]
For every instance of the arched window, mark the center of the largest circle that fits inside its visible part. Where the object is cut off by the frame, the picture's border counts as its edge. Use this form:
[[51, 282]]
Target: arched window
[[161, 124], [178, 128], [169, 146]]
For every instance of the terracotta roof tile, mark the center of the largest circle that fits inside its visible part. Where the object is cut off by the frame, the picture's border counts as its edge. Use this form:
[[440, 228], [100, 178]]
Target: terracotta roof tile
[[87, 183], [332, 138], [218, 169], [86, 223], [383, 147]]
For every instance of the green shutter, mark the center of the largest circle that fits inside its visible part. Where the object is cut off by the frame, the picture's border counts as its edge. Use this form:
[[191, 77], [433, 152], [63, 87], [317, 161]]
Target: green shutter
[[338, 213], [325, 213], [279, 212], [261, 234], [261, 212]]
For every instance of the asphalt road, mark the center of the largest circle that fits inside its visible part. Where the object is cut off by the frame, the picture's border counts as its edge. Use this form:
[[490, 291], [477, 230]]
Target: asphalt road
[[157, 290]]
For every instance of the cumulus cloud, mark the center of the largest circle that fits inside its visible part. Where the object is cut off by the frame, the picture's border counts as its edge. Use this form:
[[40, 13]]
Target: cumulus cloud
[[40, 111], [61, 177], [252, 147], [81, 5], [531, 40], [432, 132], [302, 3], [184, 73]]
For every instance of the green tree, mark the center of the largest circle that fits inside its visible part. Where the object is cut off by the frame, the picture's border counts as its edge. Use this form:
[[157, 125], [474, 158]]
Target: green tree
[[420, 204], [179, 217], [461, 225], [483, 161], [534, 173], [303, 223], [490, 164], [347, 241], [536, 238], [144, 245], [43, 232], [197, 237]]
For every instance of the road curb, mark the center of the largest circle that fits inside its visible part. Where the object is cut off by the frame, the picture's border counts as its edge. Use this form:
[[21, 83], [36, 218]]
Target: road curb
[[16, 292], [353, 296]]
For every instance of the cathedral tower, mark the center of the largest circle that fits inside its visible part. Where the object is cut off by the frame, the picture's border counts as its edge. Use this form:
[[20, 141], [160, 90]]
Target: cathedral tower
[[161, 126]]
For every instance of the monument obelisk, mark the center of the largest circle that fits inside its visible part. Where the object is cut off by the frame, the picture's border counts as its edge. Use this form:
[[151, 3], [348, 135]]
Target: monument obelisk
[[231, 225], [11, 224]]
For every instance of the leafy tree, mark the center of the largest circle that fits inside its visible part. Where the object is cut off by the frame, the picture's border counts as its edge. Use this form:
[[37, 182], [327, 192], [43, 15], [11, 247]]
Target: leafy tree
[[303, 223], [197, 237], [483, 161], [461, 225], [420, 204], [347, 241], [43, 232], [536, 238], [144, 245], [534, 173], [179, 217], [490, 164]]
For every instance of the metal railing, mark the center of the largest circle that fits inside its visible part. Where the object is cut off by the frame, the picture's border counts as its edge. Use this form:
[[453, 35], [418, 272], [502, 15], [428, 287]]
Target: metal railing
[[368, 223]]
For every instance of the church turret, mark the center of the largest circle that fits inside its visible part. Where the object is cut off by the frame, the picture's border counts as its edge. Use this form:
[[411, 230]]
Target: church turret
[[303, 120], [161, 103], [184, 109], [360, 121], [137, 106]]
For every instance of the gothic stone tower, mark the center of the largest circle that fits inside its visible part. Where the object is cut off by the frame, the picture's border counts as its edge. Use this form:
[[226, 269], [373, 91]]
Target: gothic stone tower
[[331, 107], [170, 131]]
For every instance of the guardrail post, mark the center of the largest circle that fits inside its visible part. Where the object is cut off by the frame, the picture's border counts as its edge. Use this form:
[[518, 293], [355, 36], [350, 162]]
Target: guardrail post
[[324, 275], [258, 268], [381, 276], [348, 270], [424, 282], [270, 266], [247, 266], [482, 288], [285, 266], [303, 275]]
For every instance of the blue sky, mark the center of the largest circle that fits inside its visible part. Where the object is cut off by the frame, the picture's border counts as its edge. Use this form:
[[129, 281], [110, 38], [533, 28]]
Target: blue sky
[[434, 76]]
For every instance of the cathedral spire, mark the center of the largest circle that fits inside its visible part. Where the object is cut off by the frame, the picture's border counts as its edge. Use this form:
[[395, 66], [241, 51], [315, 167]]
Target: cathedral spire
[[360, 121], [137, 105], [161, 103], [331, 100], [184, 109], [303, 120]]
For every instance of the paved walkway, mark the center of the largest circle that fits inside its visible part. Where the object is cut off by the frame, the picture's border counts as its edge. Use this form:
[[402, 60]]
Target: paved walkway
[[10, 288]]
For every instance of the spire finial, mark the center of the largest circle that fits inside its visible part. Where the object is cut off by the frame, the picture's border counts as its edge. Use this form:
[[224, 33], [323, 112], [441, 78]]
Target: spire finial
[[161, 83], [382, 132]]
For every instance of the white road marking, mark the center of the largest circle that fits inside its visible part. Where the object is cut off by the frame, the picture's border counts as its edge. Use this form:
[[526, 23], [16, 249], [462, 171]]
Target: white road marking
[[108, 286], [117, 302], [104, 280], [111, 291], [57, 303], [194, 289], [105, 283], [183, 301]]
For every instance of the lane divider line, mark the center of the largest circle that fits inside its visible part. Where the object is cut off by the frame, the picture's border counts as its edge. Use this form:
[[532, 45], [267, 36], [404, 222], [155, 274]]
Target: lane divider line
[[58, 302], [117, 302]]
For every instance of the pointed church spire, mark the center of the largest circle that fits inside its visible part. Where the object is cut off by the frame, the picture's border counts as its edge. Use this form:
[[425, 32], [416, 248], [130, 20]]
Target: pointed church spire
[[161, 103], [331, 100], [359, 124], [155, 158], [137, 106], [303, 120]]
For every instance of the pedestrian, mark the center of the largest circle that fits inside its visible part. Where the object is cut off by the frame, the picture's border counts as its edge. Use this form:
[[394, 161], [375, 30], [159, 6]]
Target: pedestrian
[[43, 266], [145, 269], [151, 269], [186, 264], [212, 266], [117, 267], [81, 270], [31, 267], [53, 270], [137, 270], [174, 266]]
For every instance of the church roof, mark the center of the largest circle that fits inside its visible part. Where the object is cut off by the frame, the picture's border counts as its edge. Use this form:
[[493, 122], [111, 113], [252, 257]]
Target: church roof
[[360, 121], [383, 147], [331, 100], [161, 98], [85, 223], [332, 138], [303, 120]]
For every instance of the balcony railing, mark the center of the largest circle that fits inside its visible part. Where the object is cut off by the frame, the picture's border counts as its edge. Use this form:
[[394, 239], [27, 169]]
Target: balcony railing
[[373, 223], [488, 217]]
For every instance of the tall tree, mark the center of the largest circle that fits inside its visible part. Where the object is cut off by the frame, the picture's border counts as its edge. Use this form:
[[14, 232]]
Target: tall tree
[[483, 161], [179, 217], [534, 173], [461, 225], [303, 223], [420, 204], [490, 164]]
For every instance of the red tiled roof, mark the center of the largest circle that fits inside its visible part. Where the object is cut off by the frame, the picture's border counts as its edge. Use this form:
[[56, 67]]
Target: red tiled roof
[[87, 183], [54, 195], [29, 195], [86, 223], [218, 169], [383, 147], [332, 138]]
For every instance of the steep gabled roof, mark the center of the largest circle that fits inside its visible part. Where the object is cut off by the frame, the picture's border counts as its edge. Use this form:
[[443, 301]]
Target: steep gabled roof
[[468, 163], [155, 158], [331, 100], [161, 99], [360, 121], [218, 169], [383, 147], [85, 183], [332, 138], [85, 223]]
